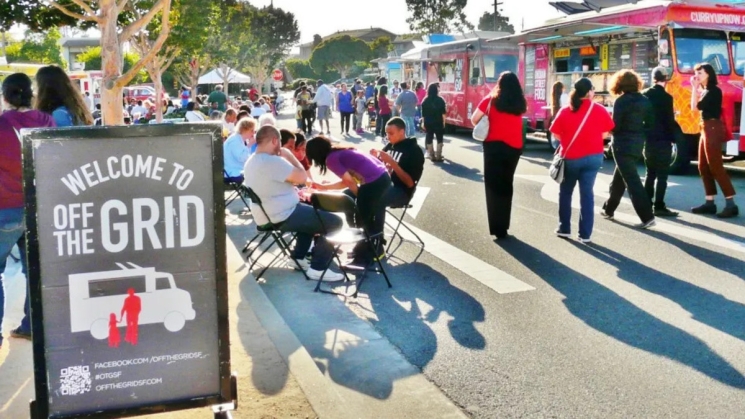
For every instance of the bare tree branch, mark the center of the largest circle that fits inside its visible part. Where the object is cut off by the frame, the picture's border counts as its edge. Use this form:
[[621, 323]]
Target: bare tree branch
[[72, 14], [140, 23], [157, 45], [120, 5]]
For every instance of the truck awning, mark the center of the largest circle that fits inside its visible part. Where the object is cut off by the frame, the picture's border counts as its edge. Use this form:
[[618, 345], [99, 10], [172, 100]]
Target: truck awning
[[574, 7], [575, 31]]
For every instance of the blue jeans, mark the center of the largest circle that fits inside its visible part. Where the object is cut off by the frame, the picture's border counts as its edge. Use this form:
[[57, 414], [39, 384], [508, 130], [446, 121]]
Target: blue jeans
[[306, 224], [11, 233], [583, 170], [410, 126]]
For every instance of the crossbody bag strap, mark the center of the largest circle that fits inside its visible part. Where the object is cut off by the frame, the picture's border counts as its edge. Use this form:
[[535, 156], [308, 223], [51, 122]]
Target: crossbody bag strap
[[576, 134]]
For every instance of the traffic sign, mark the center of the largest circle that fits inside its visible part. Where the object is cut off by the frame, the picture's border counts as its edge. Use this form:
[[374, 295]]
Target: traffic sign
[[277, 74]]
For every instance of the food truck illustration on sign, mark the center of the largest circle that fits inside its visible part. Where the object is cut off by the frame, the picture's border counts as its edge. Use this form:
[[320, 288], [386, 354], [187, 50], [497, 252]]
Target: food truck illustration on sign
[[94, 296]]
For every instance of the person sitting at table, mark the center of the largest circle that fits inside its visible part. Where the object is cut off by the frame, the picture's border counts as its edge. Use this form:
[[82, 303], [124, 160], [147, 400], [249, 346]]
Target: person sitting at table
[[365, 177], [238, 148], [405, 161], [272, 173]]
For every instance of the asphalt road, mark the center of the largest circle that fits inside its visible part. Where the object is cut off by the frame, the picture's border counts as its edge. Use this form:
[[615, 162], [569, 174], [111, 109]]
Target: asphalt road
[[637, 324]]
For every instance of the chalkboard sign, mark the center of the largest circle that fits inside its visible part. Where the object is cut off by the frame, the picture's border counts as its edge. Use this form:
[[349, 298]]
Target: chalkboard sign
[[619, 56]]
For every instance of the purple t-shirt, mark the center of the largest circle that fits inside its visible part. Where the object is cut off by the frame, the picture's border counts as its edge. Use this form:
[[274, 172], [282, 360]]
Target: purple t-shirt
[[363, 167]]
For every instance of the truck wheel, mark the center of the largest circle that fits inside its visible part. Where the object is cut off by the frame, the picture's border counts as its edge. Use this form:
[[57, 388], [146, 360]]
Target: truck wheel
[[174, 321], [100, 329], [683, 151]]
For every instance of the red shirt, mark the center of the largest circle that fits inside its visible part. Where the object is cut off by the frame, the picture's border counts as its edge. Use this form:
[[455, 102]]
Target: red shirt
[[504, 127], [590, 140]]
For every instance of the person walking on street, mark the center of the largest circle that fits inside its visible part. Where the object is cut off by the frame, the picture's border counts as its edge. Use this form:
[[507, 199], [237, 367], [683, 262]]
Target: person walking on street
[[504, 108], [434, 111], [360, 104], [304, 102], [17, 97], [324, 99], [658, 151], [385, 112], [706, 97], [406, 104], [345, 106], [582, 146], [633, 117]]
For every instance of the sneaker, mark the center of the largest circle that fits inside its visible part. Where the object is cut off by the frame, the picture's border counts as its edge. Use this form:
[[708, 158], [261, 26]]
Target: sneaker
[[356, 264], [606, 215], [649, 224], [21, 334], [584, 241], [302, 263], [709, 207], [664, 212], [561, 234], [328, 276], [729, 212]]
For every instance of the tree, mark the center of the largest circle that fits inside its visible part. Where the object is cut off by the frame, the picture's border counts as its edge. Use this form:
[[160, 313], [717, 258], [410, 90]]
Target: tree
[[37, 49], [381, 46], [91, 57], [301, 69], [273, 32], [501, 24], [339, 53], [317, 40], [437, 16], [118, 25]]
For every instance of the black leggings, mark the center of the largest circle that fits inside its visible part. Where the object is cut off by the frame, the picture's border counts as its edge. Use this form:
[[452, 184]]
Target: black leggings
[[431, 133], [307, 121], [345, 121], [380, 124]]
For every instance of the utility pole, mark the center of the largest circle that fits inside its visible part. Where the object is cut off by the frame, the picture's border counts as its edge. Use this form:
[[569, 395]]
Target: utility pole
[[496, 5]]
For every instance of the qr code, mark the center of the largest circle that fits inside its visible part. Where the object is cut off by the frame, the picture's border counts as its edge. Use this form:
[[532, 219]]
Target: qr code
[[75, 380]]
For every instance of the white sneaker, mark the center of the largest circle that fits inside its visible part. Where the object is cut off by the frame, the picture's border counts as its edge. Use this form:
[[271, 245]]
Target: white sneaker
[[329, 276], [303, 263], [649, 224], [585, 241]]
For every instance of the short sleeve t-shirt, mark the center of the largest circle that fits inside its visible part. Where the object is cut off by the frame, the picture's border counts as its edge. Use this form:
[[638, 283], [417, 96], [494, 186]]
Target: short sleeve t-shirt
[[266, 174], [410, 157], [363, 167], [505, 127], [408, 102], [590, 140], [219, 97]]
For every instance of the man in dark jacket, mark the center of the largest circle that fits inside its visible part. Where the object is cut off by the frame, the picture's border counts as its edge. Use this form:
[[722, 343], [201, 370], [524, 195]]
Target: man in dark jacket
[[658, 148]]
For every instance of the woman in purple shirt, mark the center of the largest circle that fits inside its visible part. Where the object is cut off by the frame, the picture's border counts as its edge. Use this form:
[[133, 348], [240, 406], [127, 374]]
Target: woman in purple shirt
[[365, 177]]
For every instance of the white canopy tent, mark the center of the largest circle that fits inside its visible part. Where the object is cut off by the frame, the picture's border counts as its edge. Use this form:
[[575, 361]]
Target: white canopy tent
[[216, 76]]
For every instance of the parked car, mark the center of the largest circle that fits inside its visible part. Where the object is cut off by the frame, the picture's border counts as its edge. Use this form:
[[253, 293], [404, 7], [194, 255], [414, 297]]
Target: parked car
[[142, 93]]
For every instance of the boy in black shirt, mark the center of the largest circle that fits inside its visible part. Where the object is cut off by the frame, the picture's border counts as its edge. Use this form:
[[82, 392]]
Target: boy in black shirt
[[404, 159]]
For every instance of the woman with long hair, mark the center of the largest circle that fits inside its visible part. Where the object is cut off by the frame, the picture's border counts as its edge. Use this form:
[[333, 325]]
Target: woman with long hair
[[365, 177], [582, 148], [19, 114], [633, 118], [56, 96], [706, 97], [384, 115], [503, 145], [434, 110]]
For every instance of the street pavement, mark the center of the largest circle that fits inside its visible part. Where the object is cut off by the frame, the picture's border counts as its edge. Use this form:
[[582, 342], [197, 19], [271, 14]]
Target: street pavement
[[647, 324]]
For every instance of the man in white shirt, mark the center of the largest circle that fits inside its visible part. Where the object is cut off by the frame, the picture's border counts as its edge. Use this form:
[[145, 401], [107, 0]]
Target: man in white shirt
[[272, 173], [257, 110], [89, 101], [324, 99], [138, 111]]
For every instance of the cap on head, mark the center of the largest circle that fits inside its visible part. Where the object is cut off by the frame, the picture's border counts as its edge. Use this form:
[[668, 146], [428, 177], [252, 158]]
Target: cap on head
[[319, 82], [659, 74]]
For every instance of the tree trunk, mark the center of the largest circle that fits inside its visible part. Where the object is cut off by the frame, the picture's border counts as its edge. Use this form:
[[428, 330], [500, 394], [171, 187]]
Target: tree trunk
[[111, 65], [156, 73]]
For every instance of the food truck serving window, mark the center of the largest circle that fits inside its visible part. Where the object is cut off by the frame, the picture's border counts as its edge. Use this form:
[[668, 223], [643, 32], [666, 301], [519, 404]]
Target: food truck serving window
[[494, 65], [695, 46], [738, 51]]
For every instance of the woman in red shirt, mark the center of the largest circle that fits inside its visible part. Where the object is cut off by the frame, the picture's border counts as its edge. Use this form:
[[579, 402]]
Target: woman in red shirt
[[504, 107], [582, 148]]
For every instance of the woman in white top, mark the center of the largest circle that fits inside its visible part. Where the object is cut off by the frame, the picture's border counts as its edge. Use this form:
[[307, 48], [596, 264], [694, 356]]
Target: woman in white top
[[257, 110], [192, 115]]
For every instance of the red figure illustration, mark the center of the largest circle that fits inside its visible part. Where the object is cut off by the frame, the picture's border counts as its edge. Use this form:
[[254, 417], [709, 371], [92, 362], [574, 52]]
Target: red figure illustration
[[114, 336], [132, 306]]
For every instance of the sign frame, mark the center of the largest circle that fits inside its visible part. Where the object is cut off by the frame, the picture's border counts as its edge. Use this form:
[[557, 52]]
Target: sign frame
[[227, 394], [275, 72]]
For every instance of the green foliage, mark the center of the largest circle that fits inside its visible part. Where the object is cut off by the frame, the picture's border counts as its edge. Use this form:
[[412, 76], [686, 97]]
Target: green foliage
[[273, 32], [38, 49], [437, 16], [381, 46], [39, 16], [301, 69], [92, 59], [339, 53], [501, 24]]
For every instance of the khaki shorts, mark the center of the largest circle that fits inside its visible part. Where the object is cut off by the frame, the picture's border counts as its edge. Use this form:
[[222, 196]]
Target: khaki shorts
[[324, 113]]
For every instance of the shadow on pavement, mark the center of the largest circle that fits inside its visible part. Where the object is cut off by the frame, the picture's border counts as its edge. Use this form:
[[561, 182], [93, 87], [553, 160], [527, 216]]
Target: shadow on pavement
[[705, 306], [458, 170], [729, 236], [613, 315]]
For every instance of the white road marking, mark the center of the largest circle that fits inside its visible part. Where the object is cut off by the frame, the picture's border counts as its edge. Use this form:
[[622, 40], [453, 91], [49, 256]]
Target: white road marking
[[417, 201], [496, 279], [550, 192]]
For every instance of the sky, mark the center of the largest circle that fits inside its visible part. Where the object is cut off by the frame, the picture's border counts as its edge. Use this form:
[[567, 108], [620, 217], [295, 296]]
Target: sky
[[325, 17]]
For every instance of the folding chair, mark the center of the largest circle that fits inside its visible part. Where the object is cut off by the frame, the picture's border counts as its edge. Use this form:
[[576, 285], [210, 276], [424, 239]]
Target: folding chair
[[266, 231], [338, 202], [236, 191], [399, 221]]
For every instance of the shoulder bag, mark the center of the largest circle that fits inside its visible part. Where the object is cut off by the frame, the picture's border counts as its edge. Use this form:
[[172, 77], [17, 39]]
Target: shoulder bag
[[556, 170], [481, 130]]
